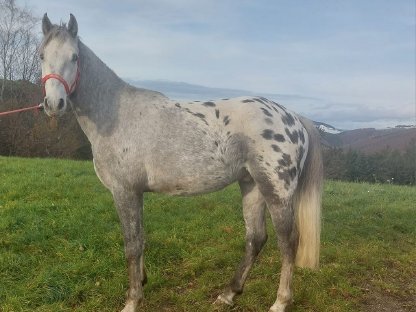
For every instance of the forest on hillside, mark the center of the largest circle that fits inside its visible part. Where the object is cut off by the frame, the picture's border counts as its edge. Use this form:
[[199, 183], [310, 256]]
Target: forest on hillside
[[388, 166]]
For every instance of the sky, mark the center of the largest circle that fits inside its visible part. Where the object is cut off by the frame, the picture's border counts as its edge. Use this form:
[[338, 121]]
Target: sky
[[347, 63]]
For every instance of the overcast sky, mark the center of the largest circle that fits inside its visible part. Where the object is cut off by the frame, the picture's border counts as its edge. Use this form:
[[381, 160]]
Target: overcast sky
[[347, 63]]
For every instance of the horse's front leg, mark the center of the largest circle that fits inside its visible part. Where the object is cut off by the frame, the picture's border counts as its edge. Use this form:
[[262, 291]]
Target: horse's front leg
[[129, 206]]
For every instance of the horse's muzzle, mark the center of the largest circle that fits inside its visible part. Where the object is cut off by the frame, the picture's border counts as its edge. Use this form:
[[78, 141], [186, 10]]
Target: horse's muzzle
[[54, 107]]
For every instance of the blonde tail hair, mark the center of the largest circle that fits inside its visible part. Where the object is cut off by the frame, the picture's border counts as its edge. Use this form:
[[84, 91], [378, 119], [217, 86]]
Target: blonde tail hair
[[307, 202]]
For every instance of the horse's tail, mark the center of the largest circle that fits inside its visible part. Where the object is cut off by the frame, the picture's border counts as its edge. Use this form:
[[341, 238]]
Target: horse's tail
[[307, 202]]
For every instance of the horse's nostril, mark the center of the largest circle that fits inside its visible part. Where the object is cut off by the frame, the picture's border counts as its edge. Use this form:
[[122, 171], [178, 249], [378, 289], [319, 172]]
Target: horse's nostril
[[61, 104], [45, 102]]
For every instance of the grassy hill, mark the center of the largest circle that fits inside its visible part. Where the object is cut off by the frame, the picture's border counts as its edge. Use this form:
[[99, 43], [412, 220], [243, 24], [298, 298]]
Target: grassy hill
[[61, 247]]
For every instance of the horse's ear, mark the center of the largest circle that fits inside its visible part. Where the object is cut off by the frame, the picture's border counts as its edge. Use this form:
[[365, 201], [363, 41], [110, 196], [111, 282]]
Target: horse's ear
[[46, 24], [73, 26]]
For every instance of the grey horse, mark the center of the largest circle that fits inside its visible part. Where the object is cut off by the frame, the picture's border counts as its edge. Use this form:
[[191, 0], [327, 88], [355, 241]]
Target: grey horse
[[144, 142]]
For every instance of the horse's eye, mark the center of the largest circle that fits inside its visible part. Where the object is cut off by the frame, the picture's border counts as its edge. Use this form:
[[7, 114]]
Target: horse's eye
[[41, 56], [74, 57]]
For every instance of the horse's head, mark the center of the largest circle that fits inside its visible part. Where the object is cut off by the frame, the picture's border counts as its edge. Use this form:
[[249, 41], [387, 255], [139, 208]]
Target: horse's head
[[60, 65]]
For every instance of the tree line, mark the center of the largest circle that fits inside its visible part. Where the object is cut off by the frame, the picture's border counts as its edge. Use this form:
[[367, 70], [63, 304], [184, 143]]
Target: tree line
[[388, 166]]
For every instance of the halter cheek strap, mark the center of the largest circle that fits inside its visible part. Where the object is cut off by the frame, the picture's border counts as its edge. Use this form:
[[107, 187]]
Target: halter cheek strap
[[69, 90]]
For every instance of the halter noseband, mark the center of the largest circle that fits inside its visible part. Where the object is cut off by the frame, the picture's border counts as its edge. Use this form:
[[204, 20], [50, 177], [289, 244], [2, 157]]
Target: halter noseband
[[68, 89]]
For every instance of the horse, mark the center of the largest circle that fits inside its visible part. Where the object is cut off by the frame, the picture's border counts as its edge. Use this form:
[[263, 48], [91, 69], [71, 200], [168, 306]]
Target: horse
[[143, 141]]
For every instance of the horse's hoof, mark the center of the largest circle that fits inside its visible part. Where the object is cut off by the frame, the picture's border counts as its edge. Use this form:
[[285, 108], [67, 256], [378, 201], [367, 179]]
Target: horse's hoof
[[221, 299], [130, 306], [281, 307]]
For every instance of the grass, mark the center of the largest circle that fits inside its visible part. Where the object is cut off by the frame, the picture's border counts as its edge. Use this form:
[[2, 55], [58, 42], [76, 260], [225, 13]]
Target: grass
[[61, 247]]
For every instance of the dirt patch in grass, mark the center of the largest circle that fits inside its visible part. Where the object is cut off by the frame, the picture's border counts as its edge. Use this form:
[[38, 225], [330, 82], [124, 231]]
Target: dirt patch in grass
[[394, 290], [399, 297], [379, 302]]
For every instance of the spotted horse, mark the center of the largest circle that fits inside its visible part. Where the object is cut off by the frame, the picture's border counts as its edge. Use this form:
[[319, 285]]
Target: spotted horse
[[144, 142]]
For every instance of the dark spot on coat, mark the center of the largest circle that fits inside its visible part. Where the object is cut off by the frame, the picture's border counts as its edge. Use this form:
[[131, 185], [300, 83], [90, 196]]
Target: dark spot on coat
[[275, 109], [268, 121], [280, 106], [267, 134], [288, 119], [209, 104], [292, 173], [216, 143], [287, 175], [279, 137], [199, 115], [264, 101], [178, 105], [276, 148], [225, 99], [247, 101], [284, 175], [293, 136], [197, 101], [259, 100], [301, 136], [217, 113], [286, 160], [226, 120], [266, 112]]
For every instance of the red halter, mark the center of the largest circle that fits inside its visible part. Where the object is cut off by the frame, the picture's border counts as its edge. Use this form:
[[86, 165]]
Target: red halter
[[68, 89]]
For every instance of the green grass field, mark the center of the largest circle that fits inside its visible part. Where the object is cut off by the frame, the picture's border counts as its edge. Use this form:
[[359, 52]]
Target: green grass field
[[61, 247]]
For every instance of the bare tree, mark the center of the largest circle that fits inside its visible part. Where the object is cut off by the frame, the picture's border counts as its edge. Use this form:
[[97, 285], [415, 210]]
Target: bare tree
[[18, 44]]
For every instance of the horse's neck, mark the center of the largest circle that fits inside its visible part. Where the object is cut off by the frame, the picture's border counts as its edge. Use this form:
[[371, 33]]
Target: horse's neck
[[95, 101]]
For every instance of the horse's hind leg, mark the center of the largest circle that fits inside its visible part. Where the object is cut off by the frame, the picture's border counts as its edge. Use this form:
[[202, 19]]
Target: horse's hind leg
[[256, 236], [129, 206], [283, 219]]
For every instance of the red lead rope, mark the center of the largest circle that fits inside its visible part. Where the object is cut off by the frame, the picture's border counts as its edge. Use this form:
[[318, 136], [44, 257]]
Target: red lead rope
[[37, 107]]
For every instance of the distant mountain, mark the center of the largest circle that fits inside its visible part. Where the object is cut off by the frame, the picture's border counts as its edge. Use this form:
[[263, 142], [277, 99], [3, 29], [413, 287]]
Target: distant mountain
[[367, 140], [325, 128]]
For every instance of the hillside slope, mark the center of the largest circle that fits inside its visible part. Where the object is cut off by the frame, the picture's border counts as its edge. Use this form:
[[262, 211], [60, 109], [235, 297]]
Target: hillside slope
[[370, 140]]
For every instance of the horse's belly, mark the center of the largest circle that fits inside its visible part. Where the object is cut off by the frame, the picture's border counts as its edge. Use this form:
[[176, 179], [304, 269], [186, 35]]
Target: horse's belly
[[193, 165], [192, 183]]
